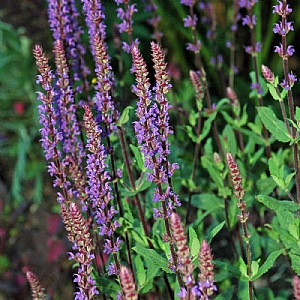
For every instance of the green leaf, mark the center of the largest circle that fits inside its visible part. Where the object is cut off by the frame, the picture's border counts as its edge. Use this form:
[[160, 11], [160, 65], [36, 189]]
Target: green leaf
[[243, 268], [107, 286], [233, 271], [230, 140], [278, 205], [226, 295], [194, 243], [138, 156], [152, 271], [215, 174], [273, 124], [214, 232], [150, 254], [140, 271], [297, 115], [275, 169], [191, 134], [207, 125], [267, 264], [295, 262], [124, 116], [207, 202], [289, 178], [254, 267], [273, 92]]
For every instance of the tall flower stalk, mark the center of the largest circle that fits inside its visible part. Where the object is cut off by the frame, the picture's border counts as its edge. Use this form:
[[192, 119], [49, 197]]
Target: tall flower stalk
[[253, 49], [239, 192], [152, 130], [285, 51]]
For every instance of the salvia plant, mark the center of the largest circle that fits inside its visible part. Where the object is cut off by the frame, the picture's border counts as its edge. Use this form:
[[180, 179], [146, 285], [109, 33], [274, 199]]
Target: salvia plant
[[172, 192]]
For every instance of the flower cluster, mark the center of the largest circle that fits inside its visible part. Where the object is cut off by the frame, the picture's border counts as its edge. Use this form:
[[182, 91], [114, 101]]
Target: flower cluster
[[235, 176], [99, 189], [154, 21], [284, 51], [37, 291], [191, 21], [78, 233], [128, 284], [152, 129], [185, 265], [205, 286], [94, 19], [64, 25], [199, 89], [125, 16]]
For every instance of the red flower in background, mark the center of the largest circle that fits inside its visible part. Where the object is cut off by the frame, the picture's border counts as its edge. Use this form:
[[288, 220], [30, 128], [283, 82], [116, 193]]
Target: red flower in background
[[19, 107]]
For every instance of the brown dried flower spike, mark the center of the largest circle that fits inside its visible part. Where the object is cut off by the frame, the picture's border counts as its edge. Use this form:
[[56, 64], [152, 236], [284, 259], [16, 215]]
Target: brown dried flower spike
[[235, 176]]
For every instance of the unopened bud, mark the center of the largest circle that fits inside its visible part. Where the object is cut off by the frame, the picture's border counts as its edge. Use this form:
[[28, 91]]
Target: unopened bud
[[267, 73]]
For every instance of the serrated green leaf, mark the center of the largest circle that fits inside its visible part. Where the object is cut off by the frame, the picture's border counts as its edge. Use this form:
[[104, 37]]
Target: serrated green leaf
[[152, 271], [278, 205], [278, 181], [124, 116], [214, 232], [275, 169], [233, 271], [267, 264], [273, 124], [295, 263], [151, 254], [273, 92], [289, 178]]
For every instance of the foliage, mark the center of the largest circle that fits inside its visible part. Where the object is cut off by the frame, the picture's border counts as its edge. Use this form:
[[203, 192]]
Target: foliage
[[190, 191]]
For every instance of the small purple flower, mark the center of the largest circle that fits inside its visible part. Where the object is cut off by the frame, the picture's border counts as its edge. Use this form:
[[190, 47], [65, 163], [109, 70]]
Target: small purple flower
[[189, 3], [250, 50], [290, 50], [111, 269], [182, 293], [282, 10], [247, 3], [194, 48], [288, 85], [249, 21], [190, 21], [281, 29]]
